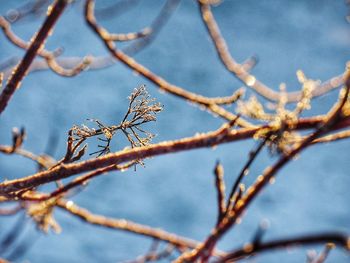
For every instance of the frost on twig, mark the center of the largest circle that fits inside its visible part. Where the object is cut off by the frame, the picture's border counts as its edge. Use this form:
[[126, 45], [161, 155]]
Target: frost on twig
[[281, 120], [141, 109]]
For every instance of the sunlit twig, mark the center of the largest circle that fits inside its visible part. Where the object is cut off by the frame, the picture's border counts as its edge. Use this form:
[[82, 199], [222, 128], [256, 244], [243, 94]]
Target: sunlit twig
[[36, 44]]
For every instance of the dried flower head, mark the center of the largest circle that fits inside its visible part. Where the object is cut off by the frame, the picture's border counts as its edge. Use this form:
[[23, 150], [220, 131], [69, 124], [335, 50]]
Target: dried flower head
[[141, 109]]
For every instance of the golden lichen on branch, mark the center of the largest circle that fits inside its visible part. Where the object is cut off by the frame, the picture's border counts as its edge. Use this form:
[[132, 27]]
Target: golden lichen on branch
[[282, 135], [141, 109], [42, 215]]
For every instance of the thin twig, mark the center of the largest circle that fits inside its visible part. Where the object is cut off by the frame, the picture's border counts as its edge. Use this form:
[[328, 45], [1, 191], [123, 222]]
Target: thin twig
[[323, 255], [128, 226], [232, 199], [160, 82], [249, 249], [158, 23], [42, 161], [185, 144], [50, 57], [333, 137], [71, 66], [334, 116], [37, 43], [241, 72], [79, 181], [220, 190]]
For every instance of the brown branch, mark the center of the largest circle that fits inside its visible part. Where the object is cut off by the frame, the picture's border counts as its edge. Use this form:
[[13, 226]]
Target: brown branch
[[129, 36], [204, 250], [160, 82], [79, 181], [66, 66], [50, 57], [249, 249], [71, 155], [44, 161], [242, 72], [76, 69], [66, 170], [146, 35], [335, 119], [220, 189], [158, 23], [333, 137], [37, 43], [17, 41], [71, 66], [233, 197], [128, 226], [41, 160], [198, 141]]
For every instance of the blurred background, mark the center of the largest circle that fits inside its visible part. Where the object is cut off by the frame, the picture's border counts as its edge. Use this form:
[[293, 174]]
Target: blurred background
[[176, 192]]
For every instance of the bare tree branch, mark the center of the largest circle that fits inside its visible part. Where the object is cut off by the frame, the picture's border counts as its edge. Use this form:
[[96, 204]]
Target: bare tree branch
[[220, 189], [162, 83], [241, 72], [249, 249], [195, 142], [128, 226], [36, 45], [203, 251]]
